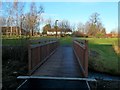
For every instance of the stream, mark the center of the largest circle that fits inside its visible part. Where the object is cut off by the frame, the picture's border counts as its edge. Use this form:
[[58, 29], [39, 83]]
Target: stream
[[103, 76]]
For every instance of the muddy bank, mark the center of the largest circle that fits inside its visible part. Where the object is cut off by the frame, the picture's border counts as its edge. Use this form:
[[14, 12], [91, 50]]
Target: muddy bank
[[105, 85], [14, 63]]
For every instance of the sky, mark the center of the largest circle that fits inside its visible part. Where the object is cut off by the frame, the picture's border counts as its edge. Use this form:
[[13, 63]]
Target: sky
[[77, 12]]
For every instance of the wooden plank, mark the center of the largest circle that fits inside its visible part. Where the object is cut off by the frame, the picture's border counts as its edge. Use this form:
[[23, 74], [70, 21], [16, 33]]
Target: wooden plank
[[61, 64]]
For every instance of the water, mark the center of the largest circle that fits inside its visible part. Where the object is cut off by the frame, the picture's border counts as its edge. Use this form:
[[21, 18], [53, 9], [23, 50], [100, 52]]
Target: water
[[98, 75]]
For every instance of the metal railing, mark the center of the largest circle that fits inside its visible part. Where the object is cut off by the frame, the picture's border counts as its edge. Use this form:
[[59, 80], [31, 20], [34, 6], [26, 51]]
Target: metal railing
[[38, 53], [80, 48]]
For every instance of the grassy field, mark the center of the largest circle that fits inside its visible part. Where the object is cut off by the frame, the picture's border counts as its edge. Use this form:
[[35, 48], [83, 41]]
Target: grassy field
[[102, 56], [19, 41], [67, 41]]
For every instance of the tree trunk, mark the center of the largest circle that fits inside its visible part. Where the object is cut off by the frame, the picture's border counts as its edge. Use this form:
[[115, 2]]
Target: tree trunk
[[11, 31], [32, 32]]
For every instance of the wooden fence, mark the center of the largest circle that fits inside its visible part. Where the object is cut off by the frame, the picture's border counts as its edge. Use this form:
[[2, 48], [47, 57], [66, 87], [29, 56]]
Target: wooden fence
[[38, 53], [80, 48]]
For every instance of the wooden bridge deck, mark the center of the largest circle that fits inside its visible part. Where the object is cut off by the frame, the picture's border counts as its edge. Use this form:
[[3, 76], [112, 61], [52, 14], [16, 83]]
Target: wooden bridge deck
[[62, 63]]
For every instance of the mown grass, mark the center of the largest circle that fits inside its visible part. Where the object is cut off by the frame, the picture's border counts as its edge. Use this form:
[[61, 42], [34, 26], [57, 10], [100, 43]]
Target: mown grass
[[19, 41], [107, 59], [66, 41], [13, 42]]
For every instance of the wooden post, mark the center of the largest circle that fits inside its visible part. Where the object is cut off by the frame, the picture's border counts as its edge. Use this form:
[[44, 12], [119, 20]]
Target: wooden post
[[29, 59], [86, 58]]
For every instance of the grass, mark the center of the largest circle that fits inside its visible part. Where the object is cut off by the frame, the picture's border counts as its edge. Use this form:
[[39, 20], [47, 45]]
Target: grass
[[18, 41], [107, 59], [66, 41]]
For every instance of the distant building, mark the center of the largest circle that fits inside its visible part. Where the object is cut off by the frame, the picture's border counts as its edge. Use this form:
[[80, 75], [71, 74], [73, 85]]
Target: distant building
[[52, 32], [111, 35], [13, 31]]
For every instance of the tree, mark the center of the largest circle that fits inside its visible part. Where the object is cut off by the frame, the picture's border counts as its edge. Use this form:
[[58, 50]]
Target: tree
[[10, 15], [18, 8], [2, 21], [48, 21], [33, 18], [80, 27], [86, 27], [103, 31], [46, 28], [12, 12], [73, 27], [64, 25], [114, 31], [94, 25], [94, 18]]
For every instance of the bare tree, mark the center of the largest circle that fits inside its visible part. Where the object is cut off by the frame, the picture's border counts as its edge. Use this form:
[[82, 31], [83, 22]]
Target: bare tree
[[94, 18], [86, 27], [2, 21], [15, 16], [80, 27], [94, 25], [34, 17], [64, 24], [18, 8], [48, 21], [114, 31], [73, 27], [10, 19]]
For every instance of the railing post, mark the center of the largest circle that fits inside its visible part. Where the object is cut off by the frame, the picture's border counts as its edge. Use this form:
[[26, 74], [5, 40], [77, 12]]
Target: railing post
[[29, 59], [38, 54], [81, 51], [86, 58]]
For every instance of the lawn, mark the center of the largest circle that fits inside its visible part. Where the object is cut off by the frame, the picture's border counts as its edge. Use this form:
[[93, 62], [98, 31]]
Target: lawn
[[66, 41], [105, 58], [19, 41]]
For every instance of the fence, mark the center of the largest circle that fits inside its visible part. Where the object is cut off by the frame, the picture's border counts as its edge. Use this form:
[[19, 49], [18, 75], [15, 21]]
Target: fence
[[38, 53], [81, 51]]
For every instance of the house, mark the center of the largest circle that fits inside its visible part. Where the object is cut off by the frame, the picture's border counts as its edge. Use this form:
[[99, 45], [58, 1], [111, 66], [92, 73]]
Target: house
[[52, 32], [111, 35], [13, 31]]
